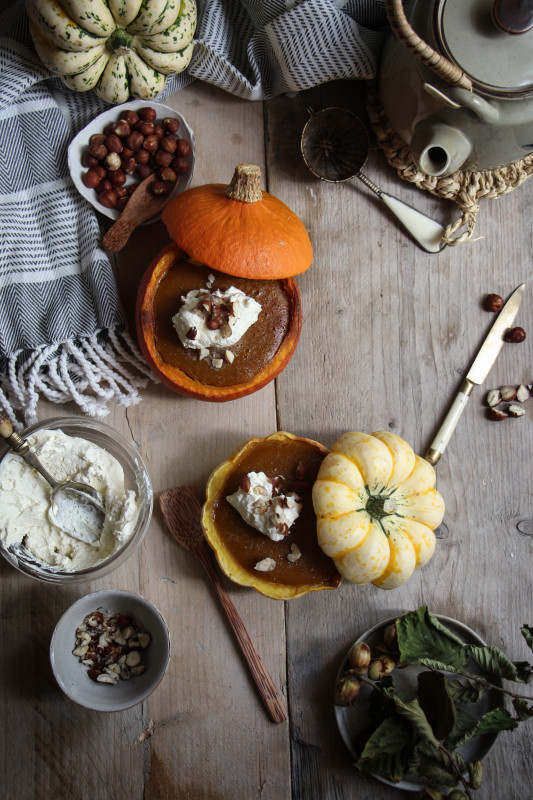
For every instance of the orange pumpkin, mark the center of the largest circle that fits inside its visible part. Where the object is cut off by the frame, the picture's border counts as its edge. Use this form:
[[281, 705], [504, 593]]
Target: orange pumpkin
[[238, 229], [149, 333]]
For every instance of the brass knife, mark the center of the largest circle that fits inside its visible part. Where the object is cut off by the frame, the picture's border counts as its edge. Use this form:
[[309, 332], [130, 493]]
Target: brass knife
[[477, 373]]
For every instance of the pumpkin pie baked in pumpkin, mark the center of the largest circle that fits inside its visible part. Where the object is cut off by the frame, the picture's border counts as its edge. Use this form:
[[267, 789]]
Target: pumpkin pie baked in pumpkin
[[259, 519], [218, 312]]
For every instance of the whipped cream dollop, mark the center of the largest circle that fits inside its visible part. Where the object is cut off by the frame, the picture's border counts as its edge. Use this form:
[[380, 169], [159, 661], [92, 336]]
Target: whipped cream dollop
[[216, 319], [25, 501], [260, 506]]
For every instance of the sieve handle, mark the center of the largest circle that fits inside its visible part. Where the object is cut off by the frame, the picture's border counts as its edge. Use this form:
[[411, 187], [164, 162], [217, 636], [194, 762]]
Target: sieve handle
[[424, 230]]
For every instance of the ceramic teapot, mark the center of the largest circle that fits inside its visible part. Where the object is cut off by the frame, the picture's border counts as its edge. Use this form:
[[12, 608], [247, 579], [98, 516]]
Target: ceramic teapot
[[456, 82]]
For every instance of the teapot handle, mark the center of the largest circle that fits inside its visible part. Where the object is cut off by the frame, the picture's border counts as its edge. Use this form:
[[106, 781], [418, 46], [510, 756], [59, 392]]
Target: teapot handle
[[427, 55]]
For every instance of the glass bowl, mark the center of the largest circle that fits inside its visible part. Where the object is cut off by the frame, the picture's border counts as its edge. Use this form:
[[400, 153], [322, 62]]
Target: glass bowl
[[136, 479]]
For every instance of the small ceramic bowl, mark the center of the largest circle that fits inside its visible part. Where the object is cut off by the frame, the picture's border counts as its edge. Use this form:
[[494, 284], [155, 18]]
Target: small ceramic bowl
[[71, 674], [80, 143], [136, 479]]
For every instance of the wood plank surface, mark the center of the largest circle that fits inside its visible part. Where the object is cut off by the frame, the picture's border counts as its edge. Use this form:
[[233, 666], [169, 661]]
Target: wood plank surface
[[388, 333]]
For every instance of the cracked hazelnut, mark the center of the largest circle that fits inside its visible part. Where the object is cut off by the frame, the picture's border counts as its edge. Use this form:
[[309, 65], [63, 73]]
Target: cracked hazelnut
[[522, 393], [496, 415], [494, 397], [516, 411], [508, 393]]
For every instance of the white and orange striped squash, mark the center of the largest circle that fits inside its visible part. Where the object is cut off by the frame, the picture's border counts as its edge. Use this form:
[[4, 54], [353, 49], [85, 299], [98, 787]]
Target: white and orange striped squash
[[376, 508]]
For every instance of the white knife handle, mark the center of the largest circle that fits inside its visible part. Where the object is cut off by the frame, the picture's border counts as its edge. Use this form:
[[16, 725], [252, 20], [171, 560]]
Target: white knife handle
[[438, 445]]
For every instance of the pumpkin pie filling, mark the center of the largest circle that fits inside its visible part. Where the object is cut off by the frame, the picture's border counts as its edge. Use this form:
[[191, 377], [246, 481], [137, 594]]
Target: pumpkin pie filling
[[252, 353], [289, 461]]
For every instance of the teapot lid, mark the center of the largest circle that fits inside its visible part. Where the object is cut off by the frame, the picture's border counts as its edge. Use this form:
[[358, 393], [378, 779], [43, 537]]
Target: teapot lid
[[491, 41]]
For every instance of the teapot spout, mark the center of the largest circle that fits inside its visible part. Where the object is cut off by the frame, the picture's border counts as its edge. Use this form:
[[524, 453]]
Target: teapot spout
[[439, 149]]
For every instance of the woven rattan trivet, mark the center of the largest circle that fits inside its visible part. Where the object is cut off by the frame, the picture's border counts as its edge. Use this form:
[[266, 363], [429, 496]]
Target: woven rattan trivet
[[465, 189]]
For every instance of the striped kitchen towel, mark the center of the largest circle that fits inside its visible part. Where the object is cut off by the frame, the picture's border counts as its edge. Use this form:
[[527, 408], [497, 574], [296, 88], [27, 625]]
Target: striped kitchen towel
[[62, 330]]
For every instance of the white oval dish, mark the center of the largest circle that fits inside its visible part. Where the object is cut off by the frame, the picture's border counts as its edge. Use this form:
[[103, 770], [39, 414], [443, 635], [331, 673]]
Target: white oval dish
[[71, 674], [80, 144], [352, 720]]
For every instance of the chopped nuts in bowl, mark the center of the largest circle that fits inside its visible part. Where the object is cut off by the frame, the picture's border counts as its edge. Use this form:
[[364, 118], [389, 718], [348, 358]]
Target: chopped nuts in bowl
[[110, 650]]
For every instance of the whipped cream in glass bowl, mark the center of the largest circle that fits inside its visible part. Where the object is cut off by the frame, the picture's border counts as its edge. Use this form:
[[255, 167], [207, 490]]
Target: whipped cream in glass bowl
[[85, 450]]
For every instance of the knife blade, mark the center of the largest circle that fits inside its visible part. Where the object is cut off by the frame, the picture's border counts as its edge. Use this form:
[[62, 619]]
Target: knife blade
[[477, 373]]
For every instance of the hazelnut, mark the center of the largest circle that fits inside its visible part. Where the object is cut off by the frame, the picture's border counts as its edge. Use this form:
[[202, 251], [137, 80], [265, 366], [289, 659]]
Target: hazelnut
[[142, 156], [148, 114], [130, 116], [496, 415], [91, 179], [159, 188], [143, 170], [183, 148], [167, 174], [103, 186], [180, 165], [171, 124], [493, 302], [508, 393], [522, 393], [99, 150], [515, 335], [494, 397], [113, 144], [516, 411], [109, 198], [112, 161], [121, 128], [360, 657], [347, 689]]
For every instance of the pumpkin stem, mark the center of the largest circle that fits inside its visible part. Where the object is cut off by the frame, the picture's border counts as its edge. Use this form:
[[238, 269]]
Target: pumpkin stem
[[245, 185], [380, 506]]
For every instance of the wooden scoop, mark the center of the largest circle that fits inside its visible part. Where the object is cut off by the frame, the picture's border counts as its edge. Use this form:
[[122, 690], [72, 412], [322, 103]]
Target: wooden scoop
[[141, 206], [182, 511]]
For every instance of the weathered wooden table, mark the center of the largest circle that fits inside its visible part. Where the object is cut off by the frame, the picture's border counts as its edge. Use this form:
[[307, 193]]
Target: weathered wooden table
[[388, 332]]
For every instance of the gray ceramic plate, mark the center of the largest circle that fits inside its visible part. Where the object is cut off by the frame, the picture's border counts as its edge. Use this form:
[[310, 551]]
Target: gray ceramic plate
[[351, 721]]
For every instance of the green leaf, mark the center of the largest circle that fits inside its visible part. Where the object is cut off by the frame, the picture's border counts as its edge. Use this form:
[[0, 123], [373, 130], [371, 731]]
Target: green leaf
[[465, 691], [494, 661], [465, 726], [436, 703], [523, 711], [386, 751], [411, 711], [527, 633], [431, 763], [523, 669], [493, 721], [422, 639], [433, 793], [475, 774]]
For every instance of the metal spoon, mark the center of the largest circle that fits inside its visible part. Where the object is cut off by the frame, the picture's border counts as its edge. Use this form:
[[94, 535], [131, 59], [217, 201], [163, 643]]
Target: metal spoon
[[77, 508], [335, 147]]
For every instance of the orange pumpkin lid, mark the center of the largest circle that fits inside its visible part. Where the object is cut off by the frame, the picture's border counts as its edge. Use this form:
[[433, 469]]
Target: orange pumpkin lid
[[239, 229]]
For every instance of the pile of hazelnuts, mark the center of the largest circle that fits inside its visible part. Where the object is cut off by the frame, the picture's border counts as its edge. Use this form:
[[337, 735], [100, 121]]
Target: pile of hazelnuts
[[137, 144]]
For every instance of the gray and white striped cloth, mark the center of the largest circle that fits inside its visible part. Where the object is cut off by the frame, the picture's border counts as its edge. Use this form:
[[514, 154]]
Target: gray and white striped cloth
[[62, 332]]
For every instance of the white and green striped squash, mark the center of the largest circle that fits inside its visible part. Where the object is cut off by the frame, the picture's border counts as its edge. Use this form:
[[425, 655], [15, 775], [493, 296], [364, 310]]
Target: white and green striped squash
[[119, 48]]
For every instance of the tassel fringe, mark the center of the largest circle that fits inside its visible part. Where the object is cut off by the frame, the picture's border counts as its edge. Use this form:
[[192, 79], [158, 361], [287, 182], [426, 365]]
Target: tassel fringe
[[91, 371]]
